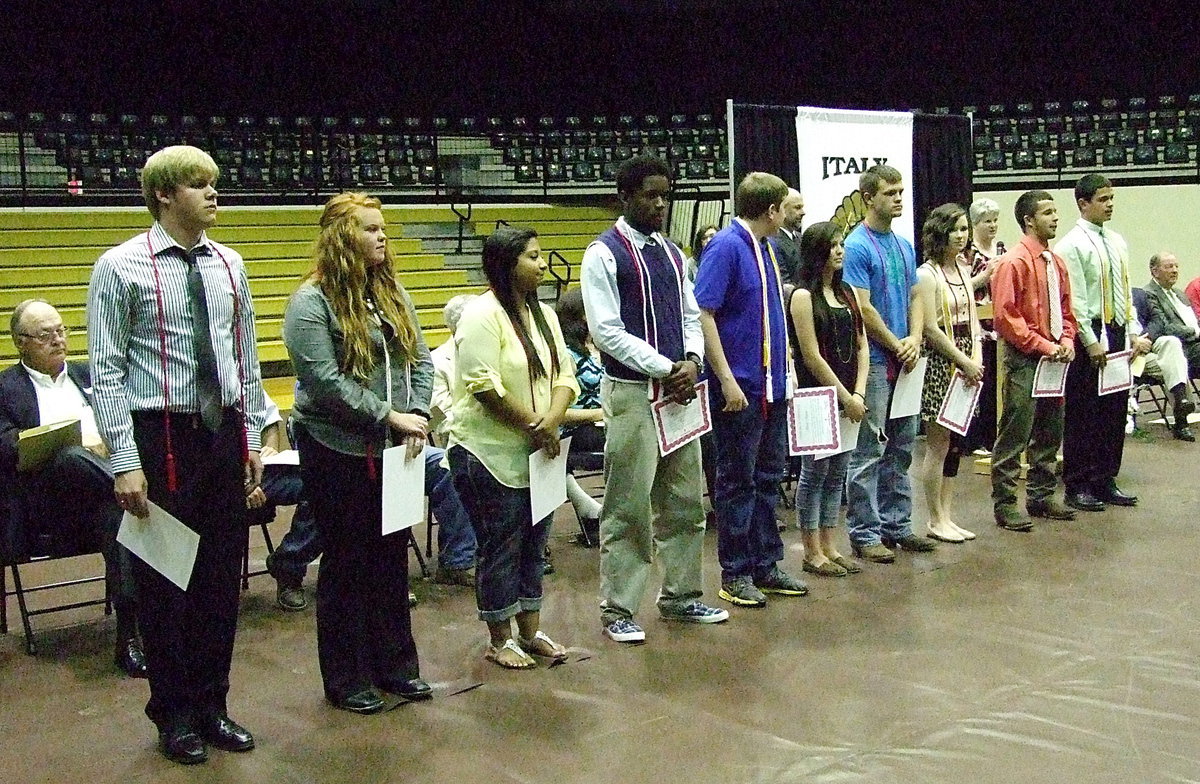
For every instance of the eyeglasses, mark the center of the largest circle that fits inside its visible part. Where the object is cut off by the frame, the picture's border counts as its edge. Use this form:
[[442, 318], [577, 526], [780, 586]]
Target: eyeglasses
[[48, 335]]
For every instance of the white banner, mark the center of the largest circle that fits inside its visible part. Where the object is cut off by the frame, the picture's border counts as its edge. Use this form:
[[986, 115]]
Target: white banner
[[836, 146]]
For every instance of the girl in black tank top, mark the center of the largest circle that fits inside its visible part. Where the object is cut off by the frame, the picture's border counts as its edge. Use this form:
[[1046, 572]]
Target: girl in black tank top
[[830, 349]]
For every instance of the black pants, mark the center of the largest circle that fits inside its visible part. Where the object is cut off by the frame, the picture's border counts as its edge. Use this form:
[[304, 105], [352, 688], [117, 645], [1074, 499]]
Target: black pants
[[71, 509], [1094, 428], [188, 635], [364, 633]]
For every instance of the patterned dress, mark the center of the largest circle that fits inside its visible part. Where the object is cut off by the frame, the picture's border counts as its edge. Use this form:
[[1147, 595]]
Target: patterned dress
[[954, 305]]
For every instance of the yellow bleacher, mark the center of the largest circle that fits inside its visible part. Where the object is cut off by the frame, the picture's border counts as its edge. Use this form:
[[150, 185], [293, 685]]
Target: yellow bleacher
[[48, 253]]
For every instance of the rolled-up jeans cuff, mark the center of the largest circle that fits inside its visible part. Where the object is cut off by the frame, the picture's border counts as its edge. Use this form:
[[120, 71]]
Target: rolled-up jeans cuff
[[503, 614], [533, 604]]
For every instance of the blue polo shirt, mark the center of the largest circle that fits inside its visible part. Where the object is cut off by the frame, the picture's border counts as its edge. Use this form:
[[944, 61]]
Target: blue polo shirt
[[885, 265], [728, 284]]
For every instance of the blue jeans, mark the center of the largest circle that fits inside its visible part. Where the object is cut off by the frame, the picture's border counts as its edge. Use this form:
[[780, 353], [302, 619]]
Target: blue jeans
[[751, 458], [879, 501], [508, 571], [819, 491], [302, 543]]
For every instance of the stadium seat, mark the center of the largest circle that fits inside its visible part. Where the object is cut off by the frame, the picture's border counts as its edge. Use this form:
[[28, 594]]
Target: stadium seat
[[1145, 155], [1084, 157], [1176, 153]]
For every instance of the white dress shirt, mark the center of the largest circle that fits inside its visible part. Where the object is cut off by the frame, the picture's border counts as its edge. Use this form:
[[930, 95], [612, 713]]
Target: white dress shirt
[[59, 398]]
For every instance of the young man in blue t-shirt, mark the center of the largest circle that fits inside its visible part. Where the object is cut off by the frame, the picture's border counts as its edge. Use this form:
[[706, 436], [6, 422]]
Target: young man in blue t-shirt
[[881, 266]]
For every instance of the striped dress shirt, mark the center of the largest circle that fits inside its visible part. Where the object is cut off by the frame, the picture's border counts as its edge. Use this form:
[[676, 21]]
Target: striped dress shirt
[[125, 337]]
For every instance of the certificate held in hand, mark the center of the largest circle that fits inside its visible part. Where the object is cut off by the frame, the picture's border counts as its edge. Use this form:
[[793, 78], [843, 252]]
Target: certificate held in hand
[[906, 399], [1050, 378], [812, 422], [676, 425], [1117, 373], [958, 406]]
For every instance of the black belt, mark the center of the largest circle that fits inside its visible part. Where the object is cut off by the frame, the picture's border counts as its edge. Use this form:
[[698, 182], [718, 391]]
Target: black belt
[[185, 418]]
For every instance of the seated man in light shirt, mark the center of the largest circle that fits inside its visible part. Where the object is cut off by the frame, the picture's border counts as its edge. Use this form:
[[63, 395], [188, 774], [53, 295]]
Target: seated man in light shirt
[[1170, 317], [302, 544], [67, 505], [443, 371]]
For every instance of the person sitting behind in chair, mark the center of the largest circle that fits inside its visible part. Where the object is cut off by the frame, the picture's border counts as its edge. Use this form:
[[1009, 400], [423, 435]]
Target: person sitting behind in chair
[[74, 490], [443, 371], [301, 545], [1171, 315], [584, 420]]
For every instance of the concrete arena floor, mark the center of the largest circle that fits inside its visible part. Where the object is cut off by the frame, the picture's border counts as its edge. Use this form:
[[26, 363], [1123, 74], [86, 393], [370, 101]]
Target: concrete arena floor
[[1065, 655]]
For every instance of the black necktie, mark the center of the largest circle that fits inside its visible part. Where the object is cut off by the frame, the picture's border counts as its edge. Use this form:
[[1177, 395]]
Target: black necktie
[[208, 383]]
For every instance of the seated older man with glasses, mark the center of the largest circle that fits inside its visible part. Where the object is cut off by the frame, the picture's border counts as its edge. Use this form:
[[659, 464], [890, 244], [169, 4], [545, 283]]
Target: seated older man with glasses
[[67, 504]]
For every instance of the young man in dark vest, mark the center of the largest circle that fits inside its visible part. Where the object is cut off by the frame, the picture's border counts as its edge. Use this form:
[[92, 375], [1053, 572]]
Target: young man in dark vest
[[644, 320]]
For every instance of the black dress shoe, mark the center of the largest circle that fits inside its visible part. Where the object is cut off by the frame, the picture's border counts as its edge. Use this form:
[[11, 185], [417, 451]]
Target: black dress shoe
[[225, 734], [1084, 502], [1113, 495], [181, 744], [364, 702], [130, 659], [411, 689], [1183, 433]]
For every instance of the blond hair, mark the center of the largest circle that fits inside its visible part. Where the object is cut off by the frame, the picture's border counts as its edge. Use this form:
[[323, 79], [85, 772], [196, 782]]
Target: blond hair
[[349, 282], [171, 167]]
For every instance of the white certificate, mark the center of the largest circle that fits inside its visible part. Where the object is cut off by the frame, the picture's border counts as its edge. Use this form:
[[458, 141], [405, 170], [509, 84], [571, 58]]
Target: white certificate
[[163, 542], [1050, 378], [906, 400], [676, 425], [1116, 375], [958, 407], [812, 421], [847, 435], [403, 489], [288, 457], [548, 481]]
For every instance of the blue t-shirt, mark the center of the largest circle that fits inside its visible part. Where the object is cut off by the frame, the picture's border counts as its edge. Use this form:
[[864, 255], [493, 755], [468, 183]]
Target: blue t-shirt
[[885, 265], [728, 283]]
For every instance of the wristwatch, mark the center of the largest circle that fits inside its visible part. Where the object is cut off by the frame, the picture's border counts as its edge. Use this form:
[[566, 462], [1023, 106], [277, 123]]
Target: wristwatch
[[692, 356]]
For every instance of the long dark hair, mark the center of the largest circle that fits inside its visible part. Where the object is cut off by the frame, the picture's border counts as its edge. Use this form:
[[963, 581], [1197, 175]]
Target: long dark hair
[[698, 241], [815, 246], [573, 320], [500, 253]]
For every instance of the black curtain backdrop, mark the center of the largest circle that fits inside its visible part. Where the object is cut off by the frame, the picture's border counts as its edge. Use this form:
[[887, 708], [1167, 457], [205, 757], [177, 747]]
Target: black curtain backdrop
[[764, 139], [942, 164]]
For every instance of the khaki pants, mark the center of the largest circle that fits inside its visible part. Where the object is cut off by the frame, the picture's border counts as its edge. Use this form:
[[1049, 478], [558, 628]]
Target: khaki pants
[[1024, 422], [652, 504]]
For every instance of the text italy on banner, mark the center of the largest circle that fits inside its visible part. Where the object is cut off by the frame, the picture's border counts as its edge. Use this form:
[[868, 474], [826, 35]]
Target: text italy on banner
[[836, 146]]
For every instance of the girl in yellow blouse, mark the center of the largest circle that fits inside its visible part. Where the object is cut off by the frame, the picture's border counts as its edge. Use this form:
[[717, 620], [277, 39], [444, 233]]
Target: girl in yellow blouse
[[514, 382]]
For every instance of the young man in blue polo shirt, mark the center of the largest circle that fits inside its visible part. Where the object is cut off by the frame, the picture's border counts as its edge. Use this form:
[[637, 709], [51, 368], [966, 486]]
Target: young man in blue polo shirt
[[881, 266], [739, 291]]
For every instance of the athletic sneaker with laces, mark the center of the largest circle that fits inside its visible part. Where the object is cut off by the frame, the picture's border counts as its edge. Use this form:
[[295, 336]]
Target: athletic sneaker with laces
[[625, 630], [780, 582], [696, 612], [741, 591]]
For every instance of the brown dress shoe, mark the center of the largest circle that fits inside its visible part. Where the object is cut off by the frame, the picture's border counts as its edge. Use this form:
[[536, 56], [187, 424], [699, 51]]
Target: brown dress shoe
[[1051, 509], [1011, 520], [875, 553]]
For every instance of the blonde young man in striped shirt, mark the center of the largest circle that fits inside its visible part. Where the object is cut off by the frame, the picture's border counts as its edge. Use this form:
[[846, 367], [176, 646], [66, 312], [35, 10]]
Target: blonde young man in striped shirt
[[179, 403]]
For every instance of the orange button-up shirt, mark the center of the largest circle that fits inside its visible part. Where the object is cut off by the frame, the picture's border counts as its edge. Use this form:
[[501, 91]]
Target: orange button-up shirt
[[1019, 299]]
